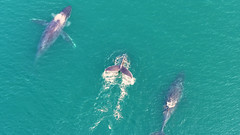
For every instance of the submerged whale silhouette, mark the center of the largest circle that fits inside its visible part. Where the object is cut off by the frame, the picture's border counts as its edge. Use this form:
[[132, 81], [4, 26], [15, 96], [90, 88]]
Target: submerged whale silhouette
[[173, 98]]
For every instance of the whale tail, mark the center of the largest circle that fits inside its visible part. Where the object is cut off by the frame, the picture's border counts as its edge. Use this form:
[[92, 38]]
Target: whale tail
[[126, 72], [120, 68], [115, 68]]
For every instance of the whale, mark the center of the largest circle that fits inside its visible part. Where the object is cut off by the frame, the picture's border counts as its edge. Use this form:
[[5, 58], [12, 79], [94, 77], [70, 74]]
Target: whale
[[53, 30], [173, 98], [120, 67]]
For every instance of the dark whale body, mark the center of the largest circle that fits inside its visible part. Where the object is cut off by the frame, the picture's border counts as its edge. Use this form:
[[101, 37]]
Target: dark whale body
[[53, 30], [173, 98]]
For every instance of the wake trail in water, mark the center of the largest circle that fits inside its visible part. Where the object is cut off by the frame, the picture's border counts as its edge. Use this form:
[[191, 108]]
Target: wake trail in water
[[126, 81], [104, 105]]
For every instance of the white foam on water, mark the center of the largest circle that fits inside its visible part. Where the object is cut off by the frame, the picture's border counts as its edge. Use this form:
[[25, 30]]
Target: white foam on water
[[104, 109], [96, 124], [109, 126], [109, 78], [126, 81], [103, 102]]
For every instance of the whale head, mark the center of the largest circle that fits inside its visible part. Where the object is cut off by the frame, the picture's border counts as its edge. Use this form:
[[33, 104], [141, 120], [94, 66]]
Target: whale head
[[63, 16], [180, 77], [67, 11]]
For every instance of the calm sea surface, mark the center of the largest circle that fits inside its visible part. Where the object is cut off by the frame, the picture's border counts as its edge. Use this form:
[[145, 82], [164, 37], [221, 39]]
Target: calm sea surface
[[66, 92]]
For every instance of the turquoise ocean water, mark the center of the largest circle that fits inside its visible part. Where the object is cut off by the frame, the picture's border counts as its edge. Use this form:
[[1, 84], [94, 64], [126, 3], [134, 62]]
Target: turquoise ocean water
[[66, 91]]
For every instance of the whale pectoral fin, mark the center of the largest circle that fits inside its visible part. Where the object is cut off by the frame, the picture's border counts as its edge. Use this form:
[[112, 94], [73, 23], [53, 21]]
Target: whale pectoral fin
[[157, 133], [39, 21], [68, 38], [53, 15], [126, 72], [113, 68], [68, 23]]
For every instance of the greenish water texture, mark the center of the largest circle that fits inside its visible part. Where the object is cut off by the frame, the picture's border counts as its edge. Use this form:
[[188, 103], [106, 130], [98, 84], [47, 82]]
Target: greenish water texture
[[64, 92]]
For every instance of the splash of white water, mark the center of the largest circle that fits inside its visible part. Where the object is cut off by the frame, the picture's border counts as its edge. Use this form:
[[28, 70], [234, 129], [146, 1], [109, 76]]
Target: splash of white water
[[96, 124], [126, 81]]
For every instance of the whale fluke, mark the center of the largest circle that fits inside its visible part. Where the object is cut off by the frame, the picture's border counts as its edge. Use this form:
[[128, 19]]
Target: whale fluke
[[120, 67], [126, 72], [113, 68]]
